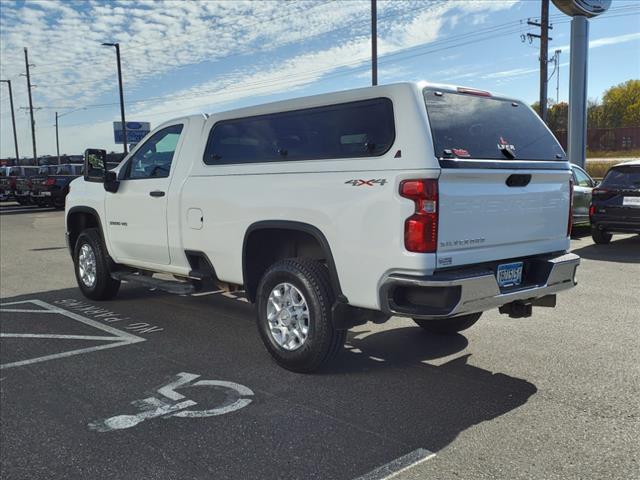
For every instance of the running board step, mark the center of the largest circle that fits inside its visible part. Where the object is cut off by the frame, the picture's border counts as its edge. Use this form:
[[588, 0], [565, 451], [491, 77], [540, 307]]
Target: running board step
[[175, 287]]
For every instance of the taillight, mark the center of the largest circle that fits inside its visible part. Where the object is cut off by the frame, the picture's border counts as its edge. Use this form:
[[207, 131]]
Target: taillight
[[570, 224], [421, 228], [49, 181], [592, 210]]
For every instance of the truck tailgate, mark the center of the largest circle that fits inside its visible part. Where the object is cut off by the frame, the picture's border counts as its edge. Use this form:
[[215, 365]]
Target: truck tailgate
[[482, 218]]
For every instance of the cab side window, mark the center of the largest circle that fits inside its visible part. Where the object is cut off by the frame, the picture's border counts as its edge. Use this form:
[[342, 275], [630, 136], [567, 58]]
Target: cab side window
[[153, 159]]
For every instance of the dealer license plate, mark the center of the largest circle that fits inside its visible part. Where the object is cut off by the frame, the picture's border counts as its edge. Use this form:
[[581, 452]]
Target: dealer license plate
[[509, 274]]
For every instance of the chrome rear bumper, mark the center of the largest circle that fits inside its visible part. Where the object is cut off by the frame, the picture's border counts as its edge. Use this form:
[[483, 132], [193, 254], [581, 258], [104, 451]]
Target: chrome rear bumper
[[472, 290]]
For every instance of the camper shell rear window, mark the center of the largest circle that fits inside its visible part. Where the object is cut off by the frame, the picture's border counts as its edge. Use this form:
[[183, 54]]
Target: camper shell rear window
[[482, 127]]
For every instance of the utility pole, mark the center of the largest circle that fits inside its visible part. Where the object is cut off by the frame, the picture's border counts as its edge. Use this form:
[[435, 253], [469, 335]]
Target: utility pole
[[374, 43], [33, 122], [57, 140], [544, 49], [124, 125], [13, 121], [557, 60]]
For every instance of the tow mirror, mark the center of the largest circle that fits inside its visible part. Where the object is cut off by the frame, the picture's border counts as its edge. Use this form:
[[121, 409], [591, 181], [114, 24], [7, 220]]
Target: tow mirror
[[96, 169], [95, 165]]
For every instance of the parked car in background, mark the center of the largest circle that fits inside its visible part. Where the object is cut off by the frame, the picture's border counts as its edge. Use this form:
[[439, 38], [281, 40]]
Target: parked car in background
[[23, 185], [53, 189], [8, 181], [615, 203], [43, 172], [583, 184], [3, 173]]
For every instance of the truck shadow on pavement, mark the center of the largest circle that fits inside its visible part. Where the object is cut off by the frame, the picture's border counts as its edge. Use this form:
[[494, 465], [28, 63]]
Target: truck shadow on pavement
[[389, 393], [624, 250]]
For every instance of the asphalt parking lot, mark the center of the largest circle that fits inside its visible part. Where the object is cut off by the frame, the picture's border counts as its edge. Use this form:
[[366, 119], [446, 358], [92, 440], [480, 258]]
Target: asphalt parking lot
[[151, 385]]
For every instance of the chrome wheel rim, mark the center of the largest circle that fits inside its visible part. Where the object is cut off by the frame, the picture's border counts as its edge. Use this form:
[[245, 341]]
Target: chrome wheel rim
[[288, 316], [87, 265]]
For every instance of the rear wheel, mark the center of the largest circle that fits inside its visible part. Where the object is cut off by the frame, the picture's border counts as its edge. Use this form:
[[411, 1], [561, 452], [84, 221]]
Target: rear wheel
[[92, 267], [599, 236], [449, 326], [294, 301]]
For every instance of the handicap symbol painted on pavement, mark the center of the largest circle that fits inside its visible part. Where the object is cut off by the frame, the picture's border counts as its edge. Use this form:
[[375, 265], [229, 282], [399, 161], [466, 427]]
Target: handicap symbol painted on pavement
[[170, 403]]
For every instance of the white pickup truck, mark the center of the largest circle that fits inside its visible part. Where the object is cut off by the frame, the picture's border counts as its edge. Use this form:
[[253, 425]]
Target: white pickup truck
[[418, 200]]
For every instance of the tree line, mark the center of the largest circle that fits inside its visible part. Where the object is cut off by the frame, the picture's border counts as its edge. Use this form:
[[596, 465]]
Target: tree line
[[620, 107]]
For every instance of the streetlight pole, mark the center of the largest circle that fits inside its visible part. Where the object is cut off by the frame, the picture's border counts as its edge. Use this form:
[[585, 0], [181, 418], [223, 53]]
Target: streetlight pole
[[57, 140], [13, 121], [558, 52], [374, 43], [124, 125]]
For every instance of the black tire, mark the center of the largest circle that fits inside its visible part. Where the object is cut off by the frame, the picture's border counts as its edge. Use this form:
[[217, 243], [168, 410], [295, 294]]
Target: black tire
[[103, 287], [449, 326], [58, 203], [323, 342], [600, 236]]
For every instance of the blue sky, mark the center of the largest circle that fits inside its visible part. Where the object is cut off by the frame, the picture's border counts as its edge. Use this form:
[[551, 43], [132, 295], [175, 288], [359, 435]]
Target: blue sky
[[182, 57]]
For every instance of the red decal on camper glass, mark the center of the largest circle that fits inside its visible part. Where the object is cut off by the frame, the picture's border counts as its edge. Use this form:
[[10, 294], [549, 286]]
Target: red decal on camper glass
[[460, 152]]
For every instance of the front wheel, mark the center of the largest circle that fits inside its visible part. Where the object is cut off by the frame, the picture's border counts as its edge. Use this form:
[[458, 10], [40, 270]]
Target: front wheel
[[449, 326], [600, 236], [294, 301], [92, 267]]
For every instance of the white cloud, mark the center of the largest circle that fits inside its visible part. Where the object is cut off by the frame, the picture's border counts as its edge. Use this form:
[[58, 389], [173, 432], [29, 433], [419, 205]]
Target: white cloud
[[601, 42], [161, 38]]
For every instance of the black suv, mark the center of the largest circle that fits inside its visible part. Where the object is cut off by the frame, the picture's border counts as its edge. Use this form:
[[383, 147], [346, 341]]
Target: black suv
[[615, 204]]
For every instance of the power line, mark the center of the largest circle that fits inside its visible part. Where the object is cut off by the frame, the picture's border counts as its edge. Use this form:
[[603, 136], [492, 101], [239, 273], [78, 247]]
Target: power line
[[313, 72], [233, 55], [305, 75]]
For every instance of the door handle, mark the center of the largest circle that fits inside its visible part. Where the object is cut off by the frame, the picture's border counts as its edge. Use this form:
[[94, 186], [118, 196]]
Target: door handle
[[157, 193], [518, 180]]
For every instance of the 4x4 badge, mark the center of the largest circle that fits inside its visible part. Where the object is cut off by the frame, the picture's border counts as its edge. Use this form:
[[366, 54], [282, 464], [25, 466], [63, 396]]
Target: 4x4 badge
[[369, 183]]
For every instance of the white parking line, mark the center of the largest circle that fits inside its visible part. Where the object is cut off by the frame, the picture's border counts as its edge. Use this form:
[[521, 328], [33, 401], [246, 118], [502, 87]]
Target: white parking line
[[26, 310], [116, 338], [399, 465], [63, 337]]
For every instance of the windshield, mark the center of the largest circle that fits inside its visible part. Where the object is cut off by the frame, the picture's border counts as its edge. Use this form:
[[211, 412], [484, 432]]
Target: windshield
[[623, 177], [480, 127]]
